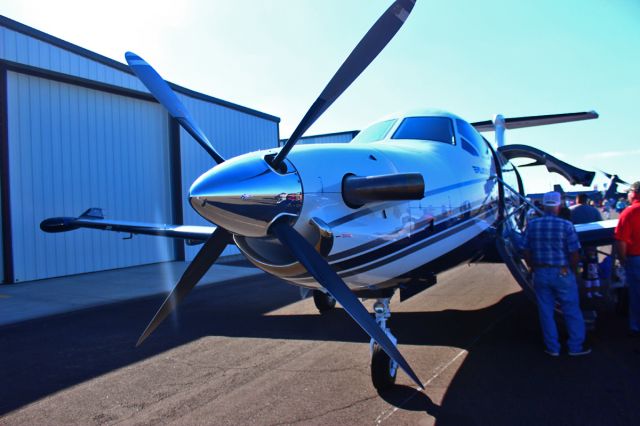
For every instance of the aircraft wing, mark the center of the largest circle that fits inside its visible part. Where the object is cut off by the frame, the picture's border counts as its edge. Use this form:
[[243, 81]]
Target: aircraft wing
[[597, 233], [94, 219], [590, 234], [535, 120]]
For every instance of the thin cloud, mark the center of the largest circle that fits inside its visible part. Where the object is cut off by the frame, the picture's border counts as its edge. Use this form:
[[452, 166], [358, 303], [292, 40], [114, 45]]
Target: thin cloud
[[612, 154]]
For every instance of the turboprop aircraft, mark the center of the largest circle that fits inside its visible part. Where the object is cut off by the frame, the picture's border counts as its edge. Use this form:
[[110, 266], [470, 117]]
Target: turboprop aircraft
[[412, 195]]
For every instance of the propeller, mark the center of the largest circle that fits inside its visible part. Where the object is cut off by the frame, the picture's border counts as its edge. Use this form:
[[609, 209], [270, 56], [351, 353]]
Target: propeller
[[162, 92], [206, 257], [369, 47], [364, 53], [327, 277]]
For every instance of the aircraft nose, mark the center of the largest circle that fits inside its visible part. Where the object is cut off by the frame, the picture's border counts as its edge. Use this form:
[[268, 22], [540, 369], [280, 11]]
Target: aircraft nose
[[244, 195]]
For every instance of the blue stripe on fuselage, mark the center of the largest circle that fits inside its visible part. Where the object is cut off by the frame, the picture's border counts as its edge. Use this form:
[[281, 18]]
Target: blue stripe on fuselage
[[416, 241]]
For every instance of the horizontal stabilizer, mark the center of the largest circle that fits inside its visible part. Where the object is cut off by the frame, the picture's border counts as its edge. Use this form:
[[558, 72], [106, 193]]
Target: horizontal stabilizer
[[94, 219], [615, 178], [535, 120]]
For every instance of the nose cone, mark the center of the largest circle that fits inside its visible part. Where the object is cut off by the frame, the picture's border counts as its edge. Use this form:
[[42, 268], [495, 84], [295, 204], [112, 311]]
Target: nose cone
[[244, 195]]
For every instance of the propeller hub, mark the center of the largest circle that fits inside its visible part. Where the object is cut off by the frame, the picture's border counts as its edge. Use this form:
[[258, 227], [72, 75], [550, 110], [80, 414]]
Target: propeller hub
[[245, 195]]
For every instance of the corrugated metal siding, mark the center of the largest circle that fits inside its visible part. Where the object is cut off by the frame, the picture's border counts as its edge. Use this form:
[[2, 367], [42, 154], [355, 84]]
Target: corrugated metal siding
[[232, 133], [20, 48], [340, 137], [71, 148], [55, 171], [28, 46], [333, 138]]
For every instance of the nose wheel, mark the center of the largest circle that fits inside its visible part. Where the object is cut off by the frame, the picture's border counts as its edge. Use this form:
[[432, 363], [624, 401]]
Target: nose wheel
[[323, 301], [383, 369]]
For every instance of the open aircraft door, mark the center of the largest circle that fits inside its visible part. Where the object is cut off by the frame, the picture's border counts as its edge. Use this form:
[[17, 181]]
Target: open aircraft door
[[508, 245]]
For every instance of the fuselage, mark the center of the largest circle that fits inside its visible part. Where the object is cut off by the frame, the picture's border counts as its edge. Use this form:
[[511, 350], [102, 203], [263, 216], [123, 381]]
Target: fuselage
[[382, 243]]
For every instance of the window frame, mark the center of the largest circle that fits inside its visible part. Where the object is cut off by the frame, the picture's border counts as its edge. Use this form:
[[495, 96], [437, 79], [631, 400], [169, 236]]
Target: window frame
[[393, 121], [452, 130], [480, 145]]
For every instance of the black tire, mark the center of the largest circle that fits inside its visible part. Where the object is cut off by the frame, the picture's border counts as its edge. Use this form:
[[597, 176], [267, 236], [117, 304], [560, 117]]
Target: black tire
[[323, 301], [381, 369]]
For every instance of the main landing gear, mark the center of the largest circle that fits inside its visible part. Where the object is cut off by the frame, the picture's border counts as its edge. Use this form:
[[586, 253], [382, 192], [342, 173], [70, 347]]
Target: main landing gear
[[383, 369], [323, 301]]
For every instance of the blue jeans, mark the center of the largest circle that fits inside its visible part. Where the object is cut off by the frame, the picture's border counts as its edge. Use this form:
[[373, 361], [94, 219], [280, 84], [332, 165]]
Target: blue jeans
[[632, 269], [550, 287]]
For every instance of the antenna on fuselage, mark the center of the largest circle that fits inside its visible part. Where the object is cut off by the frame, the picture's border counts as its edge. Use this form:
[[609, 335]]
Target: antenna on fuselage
[[499, 125]]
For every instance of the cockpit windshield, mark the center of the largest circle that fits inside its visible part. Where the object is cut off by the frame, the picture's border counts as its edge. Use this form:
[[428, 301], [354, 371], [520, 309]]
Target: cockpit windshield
[[375, 132], [439, 129]]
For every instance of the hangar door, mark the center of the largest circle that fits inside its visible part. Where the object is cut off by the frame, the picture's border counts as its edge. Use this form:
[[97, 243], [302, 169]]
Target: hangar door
[[72, 148]]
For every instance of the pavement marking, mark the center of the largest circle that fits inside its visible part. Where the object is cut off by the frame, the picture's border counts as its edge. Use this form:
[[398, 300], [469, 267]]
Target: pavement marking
[[386, 414]]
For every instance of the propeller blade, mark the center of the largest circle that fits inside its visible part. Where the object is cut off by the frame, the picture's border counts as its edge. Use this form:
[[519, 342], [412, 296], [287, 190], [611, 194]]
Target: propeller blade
[[206, 257], [322, 272], [364, 53], [616, 178], [535, 163], [162, 92]]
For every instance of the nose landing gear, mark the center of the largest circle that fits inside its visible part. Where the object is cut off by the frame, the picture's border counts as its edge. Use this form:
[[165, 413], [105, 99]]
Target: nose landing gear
[[383, 369]]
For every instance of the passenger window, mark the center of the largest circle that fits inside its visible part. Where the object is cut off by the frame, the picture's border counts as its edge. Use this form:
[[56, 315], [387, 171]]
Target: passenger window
[[439, 129]]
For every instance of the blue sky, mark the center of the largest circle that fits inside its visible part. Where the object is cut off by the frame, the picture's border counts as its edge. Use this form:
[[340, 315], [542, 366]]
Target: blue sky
[[473, 58]]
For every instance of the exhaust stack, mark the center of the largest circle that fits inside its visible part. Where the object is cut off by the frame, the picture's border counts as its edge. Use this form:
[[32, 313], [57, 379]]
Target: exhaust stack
[[360, 190]]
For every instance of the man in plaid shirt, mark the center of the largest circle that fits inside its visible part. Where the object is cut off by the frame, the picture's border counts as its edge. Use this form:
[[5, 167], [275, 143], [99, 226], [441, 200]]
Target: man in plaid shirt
[[551, 250]]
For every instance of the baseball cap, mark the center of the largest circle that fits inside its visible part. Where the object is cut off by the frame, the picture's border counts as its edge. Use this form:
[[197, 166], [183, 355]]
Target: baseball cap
[[635, 186], [551, 199]]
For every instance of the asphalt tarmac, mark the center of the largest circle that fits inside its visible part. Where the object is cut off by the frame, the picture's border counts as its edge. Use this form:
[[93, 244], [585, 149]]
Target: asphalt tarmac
[[249, 351]]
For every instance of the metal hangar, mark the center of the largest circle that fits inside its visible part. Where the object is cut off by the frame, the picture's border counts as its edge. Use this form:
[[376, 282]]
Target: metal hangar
[[78, 130], [337, 137]]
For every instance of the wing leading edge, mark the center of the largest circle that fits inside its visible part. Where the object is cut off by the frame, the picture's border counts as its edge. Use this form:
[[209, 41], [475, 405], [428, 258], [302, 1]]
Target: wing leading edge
[[536, 120], [597, 233], [94, 219]]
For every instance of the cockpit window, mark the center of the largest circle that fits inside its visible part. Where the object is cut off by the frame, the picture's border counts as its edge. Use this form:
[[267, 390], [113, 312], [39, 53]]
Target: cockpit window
[[438, 129], [468, 147], [472, 141], [375, 132]]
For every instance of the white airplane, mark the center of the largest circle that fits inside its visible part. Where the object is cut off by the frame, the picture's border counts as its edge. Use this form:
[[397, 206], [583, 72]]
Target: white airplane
[[412, 195]]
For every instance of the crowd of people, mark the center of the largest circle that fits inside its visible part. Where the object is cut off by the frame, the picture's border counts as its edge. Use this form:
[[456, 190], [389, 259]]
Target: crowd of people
[[553, 253], [608, 205]]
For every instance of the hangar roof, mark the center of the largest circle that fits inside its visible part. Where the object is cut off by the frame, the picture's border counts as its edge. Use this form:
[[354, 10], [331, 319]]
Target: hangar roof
[[37, 34]]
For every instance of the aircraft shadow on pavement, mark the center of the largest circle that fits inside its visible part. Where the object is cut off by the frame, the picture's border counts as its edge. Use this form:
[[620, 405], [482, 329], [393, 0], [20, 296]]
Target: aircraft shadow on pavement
[[42, 357], [507, 379]]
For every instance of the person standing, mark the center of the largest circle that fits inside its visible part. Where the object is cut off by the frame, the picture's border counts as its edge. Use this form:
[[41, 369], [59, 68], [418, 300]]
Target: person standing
[[551, 251], [582, 212], [606, 209], [627, 235]]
